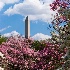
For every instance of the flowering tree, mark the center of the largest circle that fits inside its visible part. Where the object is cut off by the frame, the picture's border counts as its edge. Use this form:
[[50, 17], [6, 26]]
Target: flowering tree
[[21, 54], [63, 32]]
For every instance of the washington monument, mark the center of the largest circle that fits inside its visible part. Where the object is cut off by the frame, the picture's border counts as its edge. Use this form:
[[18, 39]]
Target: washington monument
[[27, 28]]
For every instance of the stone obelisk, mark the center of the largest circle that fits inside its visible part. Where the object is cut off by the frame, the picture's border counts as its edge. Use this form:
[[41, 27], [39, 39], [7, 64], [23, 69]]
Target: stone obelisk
[[27, 28]]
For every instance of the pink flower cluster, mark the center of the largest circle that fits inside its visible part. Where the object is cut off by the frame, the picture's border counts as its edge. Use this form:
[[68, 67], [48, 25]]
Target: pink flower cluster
[[20, 54], [59, 3]]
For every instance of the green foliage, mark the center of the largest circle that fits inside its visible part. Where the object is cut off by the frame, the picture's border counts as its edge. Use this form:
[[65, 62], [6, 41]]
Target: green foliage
[[38, 45], [2, 39]]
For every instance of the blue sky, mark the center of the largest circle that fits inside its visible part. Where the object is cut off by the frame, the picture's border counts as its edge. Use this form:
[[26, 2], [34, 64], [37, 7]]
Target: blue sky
[[13, 14]]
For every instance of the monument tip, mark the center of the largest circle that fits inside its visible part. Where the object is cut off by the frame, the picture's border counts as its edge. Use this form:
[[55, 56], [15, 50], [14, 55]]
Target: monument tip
[[27, 17]]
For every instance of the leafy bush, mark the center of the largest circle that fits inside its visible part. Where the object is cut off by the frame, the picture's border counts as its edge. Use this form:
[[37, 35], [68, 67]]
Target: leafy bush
[[37, 45], [2, 39]]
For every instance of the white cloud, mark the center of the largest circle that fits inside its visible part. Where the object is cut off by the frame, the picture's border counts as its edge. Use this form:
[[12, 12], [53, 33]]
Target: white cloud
[[4, 2], [1, 5], [13, 33], [4, 28], [40, 36], [35, 9], [9, 1]]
